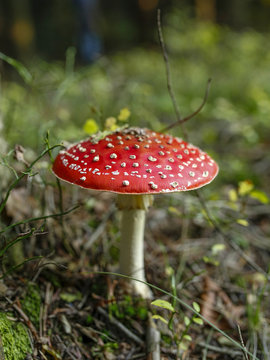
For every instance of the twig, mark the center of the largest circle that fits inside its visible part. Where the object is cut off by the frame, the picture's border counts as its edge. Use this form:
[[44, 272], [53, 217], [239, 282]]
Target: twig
[[181, 121], [26, 172], [120, 326], [152, 340], [47, 302], [220, 350], [26, 319], [168, 74], [242, 342], [39, 218], [17, 266]]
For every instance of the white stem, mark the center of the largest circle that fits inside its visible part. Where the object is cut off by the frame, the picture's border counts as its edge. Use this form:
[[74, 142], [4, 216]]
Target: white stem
[[132, 248]]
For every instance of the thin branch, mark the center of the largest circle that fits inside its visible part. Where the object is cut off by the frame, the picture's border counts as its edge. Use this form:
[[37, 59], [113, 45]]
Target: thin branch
[[242, 342], [39, 218], [120, 326], [19, 265], [26, 172], [168, 74], [181, 121]]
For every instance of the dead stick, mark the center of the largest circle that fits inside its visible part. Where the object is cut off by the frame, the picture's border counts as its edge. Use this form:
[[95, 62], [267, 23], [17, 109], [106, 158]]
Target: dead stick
[[26, 319], [120, 326], [168, 74], [242, 342]]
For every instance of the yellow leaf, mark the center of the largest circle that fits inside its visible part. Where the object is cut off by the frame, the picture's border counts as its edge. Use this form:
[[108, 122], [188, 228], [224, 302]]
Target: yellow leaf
[[233, 195], [110, 123], [158, 317], [163, 304], [217, 248], [174, 210], [124, 114], [245, 187], [242, 222], [259, 195], [90, 126]]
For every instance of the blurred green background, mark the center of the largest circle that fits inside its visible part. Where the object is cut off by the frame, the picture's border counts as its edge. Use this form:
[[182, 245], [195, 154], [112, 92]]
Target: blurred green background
[[90, 59]]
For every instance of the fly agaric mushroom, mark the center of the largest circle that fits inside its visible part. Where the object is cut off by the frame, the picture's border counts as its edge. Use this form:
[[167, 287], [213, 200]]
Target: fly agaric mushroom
[[135, 163]]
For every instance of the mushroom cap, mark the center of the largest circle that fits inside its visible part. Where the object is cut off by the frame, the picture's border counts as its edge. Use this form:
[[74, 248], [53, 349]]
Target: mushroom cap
[[135, 161]]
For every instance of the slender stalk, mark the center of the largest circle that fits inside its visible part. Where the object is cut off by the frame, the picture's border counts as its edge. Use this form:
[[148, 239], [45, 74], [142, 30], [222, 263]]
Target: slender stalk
[[132, 239]]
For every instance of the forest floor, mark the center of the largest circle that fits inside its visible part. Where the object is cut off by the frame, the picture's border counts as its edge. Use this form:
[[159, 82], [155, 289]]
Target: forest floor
[[71, 311]]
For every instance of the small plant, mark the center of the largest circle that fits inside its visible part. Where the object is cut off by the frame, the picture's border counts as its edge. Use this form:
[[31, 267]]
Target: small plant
[[182, 339]]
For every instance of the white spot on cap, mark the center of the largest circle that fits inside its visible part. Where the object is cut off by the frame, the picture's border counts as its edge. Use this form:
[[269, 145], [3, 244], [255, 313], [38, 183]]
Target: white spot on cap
[[123, 164], [191, 173], [205, 174], [92, 151], [113, 156], [110, 145], [179, 156], [83, 178], [135, 164], [174, 184], [151, 158], [153, 186], [108, 167], [96, 158], [161, 153], [132, 157], [125, 183], [171, 160], [115, 172]]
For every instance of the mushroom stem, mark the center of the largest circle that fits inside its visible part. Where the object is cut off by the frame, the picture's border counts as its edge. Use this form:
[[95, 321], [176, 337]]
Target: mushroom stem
[[132, 239]]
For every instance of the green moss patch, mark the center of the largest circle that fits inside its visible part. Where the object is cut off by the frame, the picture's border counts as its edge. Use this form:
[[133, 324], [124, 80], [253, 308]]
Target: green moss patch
[[14, 338], [31, 303]]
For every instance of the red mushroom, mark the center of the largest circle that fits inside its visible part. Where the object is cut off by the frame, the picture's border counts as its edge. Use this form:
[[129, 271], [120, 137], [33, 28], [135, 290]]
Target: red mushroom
[[135, 163]]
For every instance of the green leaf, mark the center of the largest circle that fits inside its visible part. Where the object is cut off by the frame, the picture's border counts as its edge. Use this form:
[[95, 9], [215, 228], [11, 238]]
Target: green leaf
[[183, 346], [163, 304], [187, 337], [198, 321], [217, 248], [25, 74], [245, 187], [70, 297], [242, 222], [259, 195], [158, 317], [196, 306], [186, 321]]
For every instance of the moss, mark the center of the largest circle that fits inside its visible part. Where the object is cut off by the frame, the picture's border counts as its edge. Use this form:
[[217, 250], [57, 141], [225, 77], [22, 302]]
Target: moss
[[31, 303], [14, 338]]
